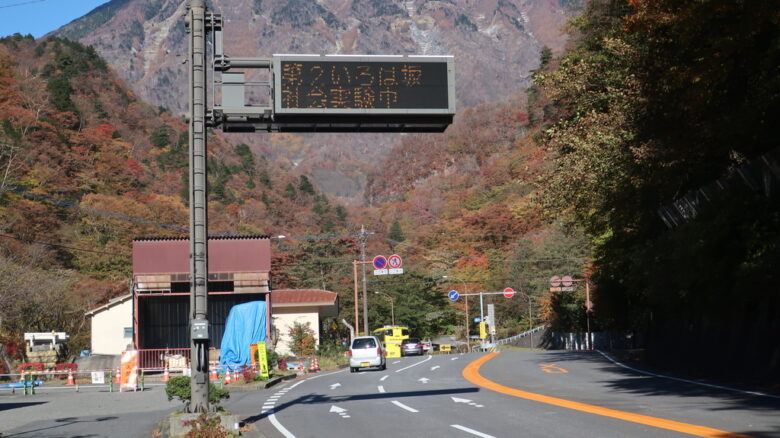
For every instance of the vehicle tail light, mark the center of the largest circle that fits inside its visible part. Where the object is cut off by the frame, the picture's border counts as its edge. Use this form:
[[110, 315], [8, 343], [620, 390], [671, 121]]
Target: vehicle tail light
[[349, 353], [379, 351]]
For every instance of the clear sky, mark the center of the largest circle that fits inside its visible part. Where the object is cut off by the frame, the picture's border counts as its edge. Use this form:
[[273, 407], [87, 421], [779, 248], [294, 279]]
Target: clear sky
[[39, 17]]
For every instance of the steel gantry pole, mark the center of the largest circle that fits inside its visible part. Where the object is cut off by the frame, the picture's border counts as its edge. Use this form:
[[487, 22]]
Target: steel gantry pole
[[199, 337]]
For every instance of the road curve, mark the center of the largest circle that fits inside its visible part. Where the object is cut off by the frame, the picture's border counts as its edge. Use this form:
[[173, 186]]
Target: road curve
[[529, 394]]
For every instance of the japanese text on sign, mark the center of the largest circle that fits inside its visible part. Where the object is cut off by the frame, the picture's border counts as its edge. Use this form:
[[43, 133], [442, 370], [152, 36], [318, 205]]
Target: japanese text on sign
[[363, 85]]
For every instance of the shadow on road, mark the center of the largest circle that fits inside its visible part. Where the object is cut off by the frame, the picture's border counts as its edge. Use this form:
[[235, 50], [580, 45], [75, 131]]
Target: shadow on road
[[60, 422], [319, 398], [9, 406], [634, 382]]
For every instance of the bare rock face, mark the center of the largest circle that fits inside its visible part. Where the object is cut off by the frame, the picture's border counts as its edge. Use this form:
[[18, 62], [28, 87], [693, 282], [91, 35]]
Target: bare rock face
[[495, 42]]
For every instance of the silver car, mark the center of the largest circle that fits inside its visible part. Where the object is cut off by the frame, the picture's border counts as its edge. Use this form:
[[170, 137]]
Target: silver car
[[366, 352], [411, 346]]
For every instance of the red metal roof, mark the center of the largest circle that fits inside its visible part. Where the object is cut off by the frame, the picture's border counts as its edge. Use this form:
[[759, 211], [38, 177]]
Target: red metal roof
[[302, 297], [226, 254]]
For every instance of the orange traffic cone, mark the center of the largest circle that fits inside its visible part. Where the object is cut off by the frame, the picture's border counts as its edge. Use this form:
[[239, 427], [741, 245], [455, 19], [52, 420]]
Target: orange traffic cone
[[228, 379], [235, 375], [314, 366], [166, 376], [71, 382], [118, 376], [214, 375]]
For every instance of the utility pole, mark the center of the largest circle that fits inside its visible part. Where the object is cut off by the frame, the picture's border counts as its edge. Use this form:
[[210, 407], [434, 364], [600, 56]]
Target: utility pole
[[363, 261], [199, 329]]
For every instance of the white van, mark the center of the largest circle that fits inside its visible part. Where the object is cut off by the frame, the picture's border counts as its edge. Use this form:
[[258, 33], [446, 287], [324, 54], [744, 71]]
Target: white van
[[366, 352]]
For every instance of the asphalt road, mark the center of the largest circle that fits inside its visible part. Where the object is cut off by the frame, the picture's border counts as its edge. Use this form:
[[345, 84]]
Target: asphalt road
[[533, 394], [89, 413], [511, 394]]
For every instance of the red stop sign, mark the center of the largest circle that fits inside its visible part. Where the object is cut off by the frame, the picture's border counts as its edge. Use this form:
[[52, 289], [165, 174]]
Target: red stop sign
[[509, 292]]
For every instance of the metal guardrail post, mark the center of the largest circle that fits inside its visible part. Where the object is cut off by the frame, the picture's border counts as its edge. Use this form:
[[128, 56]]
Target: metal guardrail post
[[111, 381]]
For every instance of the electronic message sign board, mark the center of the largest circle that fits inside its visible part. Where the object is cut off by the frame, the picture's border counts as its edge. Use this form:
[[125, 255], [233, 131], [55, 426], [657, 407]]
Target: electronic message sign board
[[380, 93]]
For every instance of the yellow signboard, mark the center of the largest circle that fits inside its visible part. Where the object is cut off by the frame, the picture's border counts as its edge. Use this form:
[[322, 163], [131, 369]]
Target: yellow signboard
[[445, 347], [263, 359], [482, 331]]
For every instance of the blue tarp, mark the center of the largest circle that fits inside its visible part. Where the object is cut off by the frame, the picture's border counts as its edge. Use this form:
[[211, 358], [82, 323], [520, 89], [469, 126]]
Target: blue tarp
[[245, 325]]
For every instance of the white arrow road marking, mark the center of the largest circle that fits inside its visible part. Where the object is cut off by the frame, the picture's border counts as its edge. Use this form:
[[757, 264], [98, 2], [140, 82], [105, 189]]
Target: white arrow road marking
[[341, 411], [423, 379], [472, 431], [383, 378], [435, 367], [381, 388], [335, 385], [454, 358], [467, 401], [403, 406]]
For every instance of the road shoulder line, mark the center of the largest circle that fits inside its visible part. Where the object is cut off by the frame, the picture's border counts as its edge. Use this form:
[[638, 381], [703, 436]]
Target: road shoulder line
[[679, 379]]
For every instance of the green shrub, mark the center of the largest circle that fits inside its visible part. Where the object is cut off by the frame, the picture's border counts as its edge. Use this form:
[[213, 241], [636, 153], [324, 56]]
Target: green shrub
[[179, 387]]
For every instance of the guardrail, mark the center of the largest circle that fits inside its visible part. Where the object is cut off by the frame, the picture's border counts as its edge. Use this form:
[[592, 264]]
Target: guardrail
[[520, 335], [494, 346]]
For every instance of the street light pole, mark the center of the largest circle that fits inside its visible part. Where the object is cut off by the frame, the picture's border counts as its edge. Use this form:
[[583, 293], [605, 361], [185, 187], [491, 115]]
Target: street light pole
[[392, 311]]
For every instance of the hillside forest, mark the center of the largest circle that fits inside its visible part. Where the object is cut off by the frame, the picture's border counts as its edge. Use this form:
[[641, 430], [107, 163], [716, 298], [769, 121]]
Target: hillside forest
[[650, 101]]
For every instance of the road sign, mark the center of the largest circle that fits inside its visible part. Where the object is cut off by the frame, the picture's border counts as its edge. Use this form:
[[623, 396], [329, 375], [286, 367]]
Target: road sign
[[567, 280], [380, 262], [555, 281], [363, 92], [395, 261], [509, 292], [453, 295]]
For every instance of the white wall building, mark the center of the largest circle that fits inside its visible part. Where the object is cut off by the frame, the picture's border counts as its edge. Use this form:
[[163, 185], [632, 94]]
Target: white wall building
[[112, 326]]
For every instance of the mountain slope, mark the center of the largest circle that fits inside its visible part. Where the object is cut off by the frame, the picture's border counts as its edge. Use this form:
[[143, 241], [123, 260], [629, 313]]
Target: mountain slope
[[495, 42]]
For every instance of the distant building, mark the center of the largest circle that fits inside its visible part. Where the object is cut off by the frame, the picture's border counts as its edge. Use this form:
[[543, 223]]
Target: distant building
[[112, 326], [155, 316], [304, 306]]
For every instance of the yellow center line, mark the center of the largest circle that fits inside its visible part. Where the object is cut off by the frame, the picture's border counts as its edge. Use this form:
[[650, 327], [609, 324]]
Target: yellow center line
[[471, 373]]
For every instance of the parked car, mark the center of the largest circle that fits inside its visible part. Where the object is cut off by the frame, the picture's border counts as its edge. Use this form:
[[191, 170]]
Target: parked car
[[426, 346], [366, 352], [411, 346]]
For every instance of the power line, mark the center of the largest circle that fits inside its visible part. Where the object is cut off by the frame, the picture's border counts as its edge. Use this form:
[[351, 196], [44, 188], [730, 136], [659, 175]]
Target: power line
[[61, 246], [22, 3]]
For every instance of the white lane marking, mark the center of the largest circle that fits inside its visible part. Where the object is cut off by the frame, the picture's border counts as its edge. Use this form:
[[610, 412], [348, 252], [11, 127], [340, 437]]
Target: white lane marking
[[471, 431], [383, 378], [726, 388], [286, 433], [423, 380], [414, 364], [398, 361], [454, 358], [403, 406], [433, 368], [381, 388], [272, 418], [335, 385]]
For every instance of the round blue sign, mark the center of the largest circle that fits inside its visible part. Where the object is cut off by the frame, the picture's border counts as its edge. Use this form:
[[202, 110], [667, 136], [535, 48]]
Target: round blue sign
[[380, 262], [453, 295]]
